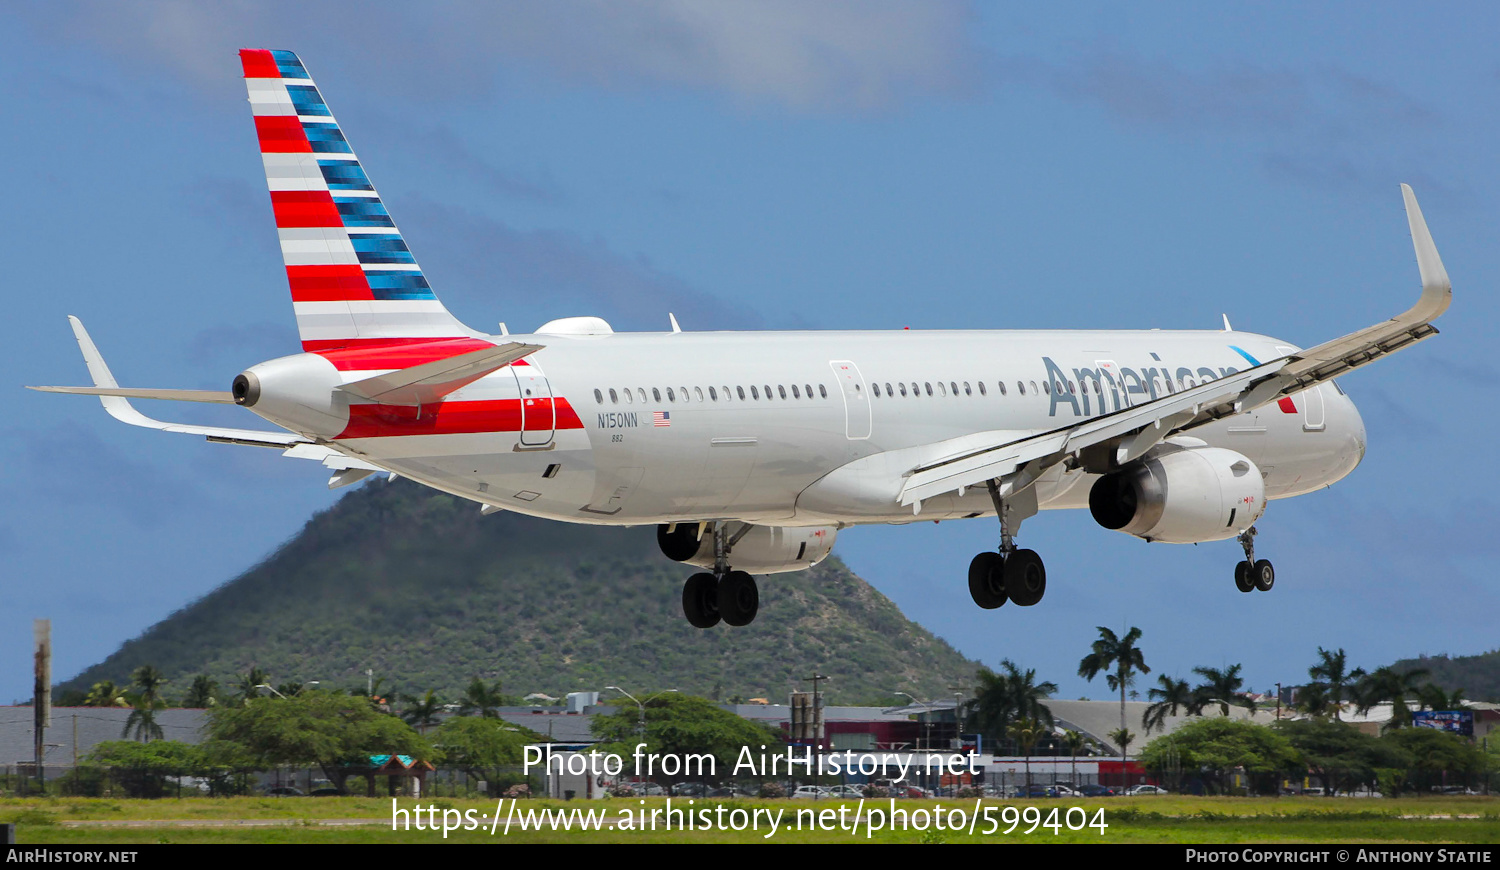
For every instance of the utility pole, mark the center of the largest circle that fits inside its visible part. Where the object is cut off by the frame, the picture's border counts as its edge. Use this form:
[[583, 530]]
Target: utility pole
[[41, 696]]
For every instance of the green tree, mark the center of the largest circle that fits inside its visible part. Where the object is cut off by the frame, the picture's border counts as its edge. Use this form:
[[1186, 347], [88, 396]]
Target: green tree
[[1334, 678], [685, 725], [1340, 755], [1171, 697], [481, 699], [1076, 741], [422, 713], [1224, 688], [1221, 748], [151, 682], [106, 694], [326, 729], [142, 720], [1005, 697], [482, 746], [1386, 684], [249, 685], [202, 694], [1123, 737], [142, 768], [1434, 697], [1119, 653], [1438, 758], [1026, 733]]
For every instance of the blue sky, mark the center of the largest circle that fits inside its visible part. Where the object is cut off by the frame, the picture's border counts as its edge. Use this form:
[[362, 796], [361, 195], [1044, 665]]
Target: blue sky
[[777, 165]]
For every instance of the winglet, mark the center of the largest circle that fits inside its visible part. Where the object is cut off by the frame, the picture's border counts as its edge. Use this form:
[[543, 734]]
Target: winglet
[[117, 406], [1437, 290]]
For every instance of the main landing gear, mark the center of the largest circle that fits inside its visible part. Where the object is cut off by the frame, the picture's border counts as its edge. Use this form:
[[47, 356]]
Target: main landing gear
[[1011, 574], [727, 595], [1250, 574]]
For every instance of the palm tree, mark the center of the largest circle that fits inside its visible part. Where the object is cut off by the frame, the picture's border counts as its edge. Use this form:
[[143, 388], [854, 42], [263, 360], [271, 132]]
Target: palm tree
[[1331, 675], [1387, 684], [1433, 697], [1171, 697], [249, 685], [150, 681], [1002, 698], [1111, 651], [1076, 741], [142, 720], [1222, 688], [1026, 733], [422, 712], [483, 700], [203, 693], [106, 694], [1124, 738]]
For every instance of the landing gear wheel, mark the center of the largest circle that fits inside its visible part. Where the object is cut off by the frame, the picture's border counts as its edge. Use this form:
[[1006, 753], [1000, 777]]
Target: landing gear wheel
[[1242, 579], [1025, 577], [700, 600], [1263, 575], [739, 599], [987, 580]]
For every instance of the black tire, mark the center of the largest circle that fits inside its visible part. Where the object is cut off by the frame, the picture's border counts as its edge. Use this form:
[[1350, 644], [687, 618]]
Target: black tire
[[1264, 575], [1025, 577], [739, 598], [700, 600], [987, 580], [682, 543], [1242, 579]]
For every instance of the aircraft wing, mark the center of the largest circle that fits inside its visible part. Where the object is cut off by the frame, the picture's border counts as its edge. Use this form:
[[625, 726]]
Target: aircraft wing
[[1018, 463]]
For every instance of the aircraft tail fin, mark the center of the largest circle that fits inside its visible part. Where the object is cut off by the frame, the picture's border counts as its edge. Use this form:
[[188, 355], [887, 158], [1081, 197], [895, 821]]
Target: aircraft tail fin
[[354, 281]]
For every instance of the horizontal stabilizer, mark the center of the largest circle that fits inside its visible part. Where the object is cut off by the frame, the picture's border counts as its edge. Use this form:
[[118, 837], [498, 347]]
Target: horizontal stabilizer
[[430, 382], [221, 397]]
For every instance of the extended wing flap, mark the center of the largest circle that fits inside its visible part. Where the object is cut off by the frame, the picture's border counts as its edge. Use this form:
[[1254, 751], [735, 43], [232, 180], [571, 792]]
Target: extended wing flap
[[429, 382]]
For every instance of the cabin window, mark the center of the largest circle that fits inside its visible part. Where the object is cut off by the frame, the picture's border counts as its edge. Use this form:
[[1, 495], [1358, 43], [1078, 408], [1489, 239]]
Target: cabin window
[[967, 390], [741, 391], [984, 392], [953, 388], [598, 396], [1000, 384], [656, 394], [781, 389], [903, 389], [614, 398], [1034, 388], [698, 391], [822, 391], [1047, 387], [1071, 390], [713, 394], [672, 397], [726, 394], [942, 391], [768, 391], [754, 393], [929, 387], [808, 388]]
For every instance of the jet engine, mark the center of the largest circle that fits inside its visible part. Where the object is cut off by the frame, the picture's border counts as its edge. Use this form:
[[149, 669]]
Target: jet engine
[[762, 550], [1181, 496]]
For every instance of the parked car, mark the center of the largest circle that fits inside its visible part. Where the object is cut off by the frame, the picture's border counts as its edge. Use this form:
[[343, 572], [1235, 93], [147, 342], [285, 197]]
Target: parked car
[[689, 789], [1000, 791], [1096, 791], [1146, 789], [814, 792], [847, 791], [648, 789]]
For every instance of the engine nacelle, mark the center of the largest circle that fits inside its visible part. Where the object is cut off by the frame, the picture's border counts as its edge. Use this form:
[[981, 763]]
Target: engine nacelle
[[763, 549], [1181, 496]]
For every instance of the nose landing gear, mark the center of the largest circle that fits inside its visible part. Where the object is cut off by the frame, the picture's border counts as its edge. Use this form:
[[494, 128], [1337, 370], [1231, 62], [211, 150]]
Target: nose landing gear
[[725, 595]]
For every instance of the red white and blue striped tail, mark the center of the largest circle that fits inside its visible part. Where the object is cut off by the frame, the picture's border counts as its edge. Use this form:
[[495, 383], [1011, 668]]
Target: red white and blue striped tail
[[354, 282]]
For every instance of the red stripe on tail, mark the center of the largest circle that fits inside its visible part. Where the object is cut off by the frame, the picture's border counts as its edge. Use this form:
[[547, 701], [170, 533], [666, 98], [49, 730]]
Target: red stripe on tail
[[305, 208], [328, 283], [281, 134], [259, 64]]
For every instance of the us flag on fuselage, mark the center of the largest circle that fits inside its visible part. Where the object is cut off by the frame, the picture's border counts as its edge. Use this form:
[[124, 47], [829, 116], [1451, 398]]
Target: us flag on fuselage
[[661, 419]]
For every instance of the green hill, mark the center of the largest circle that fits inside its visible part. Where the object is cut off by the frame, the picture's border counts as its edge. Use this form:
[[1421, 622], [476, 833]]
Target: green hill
[[421, 588], [1477, 675]]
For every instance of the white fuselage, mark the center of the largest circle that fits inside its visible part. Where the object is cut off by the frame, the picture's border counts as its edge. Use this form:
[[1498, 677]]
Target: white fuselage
[[815, 428]]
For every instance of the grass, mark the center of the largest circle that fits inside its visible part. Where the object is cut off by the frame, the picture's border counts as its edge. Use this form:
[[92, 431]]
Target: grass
[[1171, 819]]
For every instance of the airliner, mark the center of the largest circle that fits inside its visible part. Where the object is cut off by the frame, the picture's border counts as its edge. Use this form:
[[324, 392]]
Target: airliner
[[750, 451]]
